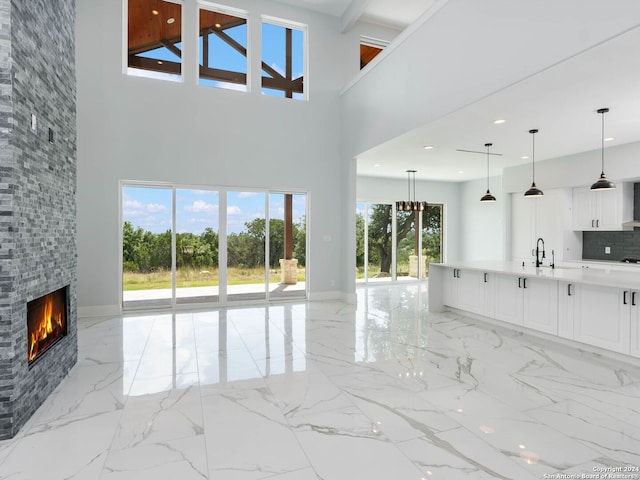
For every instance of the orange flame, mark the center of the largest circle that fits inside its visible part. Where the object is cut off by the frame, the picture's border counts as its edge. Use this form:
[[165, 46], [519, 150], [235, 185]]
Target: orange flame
[[48, 324]]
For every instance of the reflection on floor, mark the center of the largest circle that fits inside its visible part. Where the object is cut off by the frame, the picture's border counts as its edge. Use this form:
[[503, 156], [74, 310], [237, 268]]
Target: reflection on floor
[[161, 297], [328, 391]]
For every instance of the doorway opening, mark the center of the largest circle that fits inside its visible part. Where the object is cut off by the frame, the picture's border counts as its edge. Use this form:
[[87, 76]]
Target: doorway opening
[[397, 246]]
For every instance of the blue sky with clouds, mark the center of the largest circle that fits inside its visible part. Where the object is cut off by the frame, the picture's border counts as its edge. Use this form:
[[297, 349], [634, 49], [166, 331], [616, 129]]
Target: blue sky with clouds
[[150, 208], [223, 56]]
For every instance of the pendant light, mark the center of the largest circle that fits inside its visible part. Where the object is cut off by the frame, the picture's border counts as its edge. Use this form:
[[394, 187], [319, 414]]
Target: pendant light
[[487, 197], [411, 205], [602, 183], [534, 191]]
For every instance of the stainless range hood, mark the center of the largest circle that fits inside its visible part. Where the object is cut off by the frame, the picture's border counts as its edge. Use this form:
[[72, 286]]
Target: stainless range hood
[[636, 208]]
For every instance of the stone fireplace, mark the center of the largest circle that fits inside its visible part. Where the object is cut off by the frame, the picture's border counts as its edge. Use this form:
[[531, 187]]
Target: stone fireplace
[[37, 202]]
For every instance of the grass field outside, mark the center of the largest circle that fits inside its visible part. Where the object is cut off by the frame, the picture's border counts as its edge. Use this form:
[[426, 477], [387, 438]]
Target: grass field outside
[[190, 277]]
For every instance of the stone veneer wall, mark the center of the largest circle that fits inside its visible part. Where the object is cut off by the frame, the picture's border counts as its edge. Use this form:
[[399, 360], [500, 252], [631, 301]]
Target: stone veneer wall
[[37, 194]]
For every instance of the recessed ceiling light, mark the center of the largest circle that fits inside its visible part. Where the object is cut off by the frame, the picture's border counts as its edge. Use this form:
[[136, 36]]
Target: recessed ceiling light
[[525, 157], [609, 139], [155, 12], [500, 121], [460, 171], [217, 25], [170, 20], [377, 165], [160, 62], [428, 147]]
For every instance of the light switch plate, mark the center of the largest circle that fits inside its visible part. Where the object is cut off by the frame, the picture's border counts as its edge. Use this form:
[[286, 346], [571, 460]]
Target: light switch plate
[[607, 250]]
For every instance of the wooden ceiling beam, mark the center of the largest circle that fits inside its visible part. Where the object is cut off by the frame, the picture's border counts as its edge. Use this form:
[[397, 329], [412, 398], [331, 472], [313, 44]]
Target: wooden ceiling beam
[[152, 64], [172, 48], [208, 73], [294, 86]]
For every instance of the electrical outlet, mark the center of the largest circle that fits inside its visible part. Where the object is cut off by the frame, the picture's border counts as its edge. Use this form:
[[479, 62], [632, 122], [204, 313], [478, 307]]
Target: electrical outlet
[[607, 250]]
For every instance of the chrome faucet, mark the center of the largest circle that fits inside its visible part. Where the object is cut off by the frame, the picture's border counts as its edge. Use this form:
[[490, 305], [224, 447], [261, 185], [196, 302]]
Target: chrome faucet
[[538, 260]]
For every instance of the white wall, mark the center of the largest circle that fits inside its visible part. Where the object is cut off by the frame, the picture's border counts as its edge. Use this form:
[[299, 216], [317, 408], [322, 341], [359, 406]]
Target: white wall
[[142, 129], [622, 162], [483, 225], [387, 190], [468, 50]]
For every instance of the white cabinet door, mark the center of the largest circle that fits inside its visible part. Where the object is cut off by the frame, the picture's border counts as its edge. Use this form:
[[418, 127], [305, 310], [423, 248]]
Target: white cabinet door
[[540, 304], [607, 204], [566, 308], [522, 231], [467, 290], [603, 317], [526, 301], [508, 298], [471, 292], [549, 224], [451, 287], [537, 218], [583, 211], [635, 323], [602, 210]]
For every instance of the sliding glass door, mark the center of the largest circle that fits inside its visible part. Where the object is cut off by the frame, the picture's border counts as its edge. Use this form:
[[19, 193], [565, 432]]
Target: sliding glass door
[[177, 247], [379, 230], [197, 220], [147, 230], [394, 245], [246, 233], [287, 245]]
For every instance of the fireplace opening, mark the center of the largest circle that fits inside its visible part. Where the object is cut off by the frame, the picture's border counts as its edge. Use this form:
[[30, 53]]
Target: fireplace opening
[[46, 322]]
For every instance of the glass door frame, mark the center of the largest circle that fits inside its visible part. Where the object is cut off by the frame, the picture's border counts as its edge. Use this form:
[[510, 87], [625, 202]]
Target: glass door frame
[[394, 241], [222, 242]]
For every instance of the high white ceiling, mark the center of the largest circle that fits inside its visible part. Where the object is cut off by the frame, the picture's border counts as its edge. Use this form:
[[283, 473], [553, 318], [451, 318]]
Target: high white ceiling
[[396, 14], [561, 102]]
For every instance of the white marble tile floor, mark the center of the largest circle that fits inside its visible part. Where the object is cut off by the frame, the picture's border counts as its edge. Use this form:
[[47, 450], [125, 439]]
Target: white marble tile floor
[[327, 391]]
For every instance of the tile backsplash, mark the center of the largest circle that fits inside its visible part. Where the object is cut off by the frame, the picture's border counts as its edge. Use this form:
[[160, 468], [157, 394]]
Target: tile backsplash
[[623, 245]]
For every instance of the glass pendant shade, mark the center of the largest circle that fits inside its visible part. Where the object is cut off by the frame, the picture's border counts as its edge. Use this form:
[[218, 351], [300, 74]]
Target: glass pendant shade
[[534, 191], [488, 197], [603, 183]]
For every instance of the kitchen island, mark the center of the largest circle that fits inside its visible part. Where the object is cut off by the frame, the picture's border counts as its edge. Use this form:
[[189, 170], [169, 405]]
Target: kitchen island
[[594, 306]]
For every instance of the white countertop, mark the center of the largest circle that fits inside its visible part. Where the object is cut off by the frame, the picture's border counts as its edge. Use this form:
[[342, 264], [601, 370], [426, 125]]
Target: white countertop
[[623, 276]]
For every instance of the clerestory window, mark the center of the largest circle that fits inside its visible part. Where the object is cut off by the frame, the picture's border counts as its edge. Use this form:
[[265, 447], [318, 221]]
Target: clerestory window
[[154, 41], [223, 47], [369, 49], [284, 62]]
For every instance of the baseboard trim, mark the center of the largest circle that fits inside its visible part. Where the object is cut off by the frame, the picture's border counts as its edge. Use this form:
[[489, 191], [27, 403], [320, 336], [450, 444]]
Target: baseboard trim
[[322, 296], [99, 311]]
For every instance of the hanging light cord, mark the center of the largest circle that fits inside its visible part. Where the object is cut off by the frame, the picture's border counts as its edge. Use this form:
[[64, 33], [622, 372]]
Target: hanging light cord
[[409, 185], [414, 186], [533, 158], [602, 111], [487, 145]]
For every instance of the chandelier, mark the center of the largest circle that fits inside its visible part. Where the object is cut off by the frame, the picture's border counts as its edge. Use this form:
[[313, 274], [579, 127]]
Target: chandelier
[[411, 205]]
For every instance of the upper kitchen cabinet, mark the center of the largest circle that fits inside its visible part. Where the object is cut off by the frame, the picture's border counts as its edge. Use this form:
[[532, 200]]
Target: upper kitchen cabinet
[[602, 210], [541, 217]]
